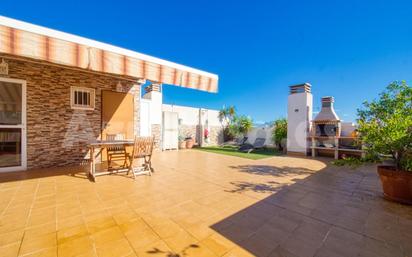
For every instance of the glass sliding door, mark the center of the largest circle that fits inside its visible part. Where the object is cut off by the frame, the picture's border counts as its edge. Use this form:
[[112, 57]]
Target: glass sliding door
[[12, 124]]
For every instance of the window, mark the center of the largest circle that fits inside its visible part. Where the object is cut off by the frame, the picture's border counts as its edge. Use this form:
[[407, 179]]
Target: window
[[82, 98]]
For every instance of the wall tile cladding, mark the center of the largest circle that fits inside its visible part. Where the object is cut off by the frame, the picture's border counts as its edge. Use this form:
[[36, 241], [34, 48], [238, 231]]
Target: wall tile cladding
[[157, 134], [215, 135], [196, 132], [56, 134]]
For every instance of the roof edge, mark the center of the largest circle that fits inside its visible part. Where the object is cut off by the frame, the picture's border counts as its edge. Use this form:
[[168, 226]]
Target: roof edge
[[29, 27]]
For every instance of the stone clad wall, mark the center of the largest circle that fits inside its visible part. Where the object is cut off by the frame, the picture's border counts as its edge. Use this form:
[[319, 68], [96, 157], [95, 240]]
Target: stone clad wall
[[157, 134], [188, 131], [56, 134], [196, 131], [215, 135]]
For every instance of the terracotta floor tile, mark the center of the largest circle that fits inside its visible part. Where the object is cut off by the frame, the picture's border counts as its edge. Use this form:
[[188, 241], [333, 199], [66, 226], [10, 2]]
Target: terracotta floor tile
[[71, 233], [167, 229], [218, 244], [115, 248], [180, 241], [139, 239], [238, 252], [49, 252], [100, 224], [77, 247], [11, 237], [124, 216], [197, 250], [134, 226], [42, 216], [37, 242], [10, 250], [70, 222], [111, 234], [40, 229], [205, 204], [155, 249]]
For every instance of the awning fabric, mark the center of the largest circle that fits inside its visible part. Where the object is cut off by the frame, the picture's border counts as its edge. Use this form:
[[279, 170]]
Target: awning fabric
[[28, 40]]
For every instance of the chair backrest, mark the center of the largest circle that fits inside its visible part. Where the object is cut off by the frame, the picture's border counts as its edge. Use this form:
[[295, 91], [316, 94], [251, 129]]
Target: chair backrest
[[143, 146], [112, 137], [259, 142], [243, 140]]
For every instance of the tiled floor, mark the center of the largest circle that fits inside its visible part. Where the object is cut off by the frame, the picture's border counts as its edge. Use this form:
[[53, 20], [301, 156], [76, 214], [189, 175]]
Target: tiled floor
[[203, 204]]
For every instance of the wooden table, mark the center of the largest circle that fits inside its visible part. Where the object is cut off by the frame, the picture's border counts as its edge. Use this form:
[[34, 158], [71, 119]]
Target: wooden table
[[100, 144]]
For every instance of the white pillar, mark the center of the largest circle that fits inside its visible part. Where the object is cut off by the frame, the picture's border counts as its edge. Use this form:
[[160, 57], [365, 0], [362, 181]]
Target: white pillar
[[300, 104]]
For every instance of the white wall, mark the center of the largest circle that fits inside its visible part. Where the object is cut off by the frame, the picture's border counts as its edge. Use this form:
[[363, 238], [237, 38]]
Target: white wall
[[145, 118], [213, 116], [156, 101], [187, 115], [260, 132], [190, 115], [347, 128]]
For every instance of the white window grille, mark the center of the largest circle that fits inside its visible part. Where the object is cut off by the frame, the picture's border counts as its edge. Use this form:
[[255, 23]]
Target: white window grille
[[82, 98]]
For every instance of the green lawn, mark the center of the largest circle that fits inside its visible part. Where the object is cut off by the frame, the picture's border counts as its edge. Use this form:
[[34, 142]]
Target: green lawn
[[233, 151]]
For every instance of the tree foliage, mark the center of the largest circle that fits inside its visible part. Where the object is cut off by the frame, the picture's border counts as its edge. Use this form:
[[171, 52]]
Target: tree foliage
[[226, 115], [385, 124], [233, 124], [226, 118], [280, 132], [242, 124]]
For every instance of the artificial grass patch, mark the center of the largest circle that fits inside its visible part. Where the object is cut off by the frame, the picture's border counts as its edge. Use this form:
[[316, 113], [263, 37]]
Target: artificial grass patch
[[233, 151]]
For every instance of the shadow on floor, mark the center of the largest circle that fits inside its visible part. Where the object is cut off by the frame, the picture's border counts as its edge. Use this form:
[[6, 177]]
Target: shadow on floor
[[270, 186], [172, 254], [75, 171], [323, 214], [268, 170]]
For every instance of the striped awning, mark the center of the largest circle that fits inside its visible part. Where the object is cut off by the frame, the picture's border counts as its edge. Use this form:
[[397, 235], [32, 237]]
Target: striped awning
[[28, 40]]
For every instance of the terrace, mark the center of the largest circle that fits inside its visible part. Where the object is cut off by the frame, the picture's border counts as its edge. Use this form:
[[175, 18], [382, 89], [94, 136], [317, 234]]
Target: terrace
[[204, 204]]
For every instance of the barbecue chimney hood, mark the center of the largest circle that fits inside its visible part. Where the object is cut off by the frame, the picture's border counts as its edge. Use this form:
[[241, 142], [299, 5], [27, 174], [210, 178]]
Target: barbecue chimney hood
[[327, 112]]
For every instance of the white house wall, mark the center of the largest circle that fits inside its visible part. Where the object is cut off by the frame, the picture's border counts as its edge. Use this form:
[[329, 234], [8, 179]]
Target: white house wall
[[260, 132], [192, 125]]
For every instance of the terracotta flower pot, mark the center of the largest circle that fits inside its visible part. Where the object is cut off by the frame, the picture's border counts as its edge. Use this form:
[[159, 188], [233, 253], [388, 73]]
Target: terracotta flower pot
[[182, 144], [189, 143], [396, 184]]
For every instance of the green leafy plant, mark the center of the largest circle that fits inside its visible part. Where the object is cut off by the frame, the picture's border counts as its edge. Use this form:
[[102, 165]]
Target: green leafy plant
[[349, 161], [233, 124], [280, 132], [226, 117], [242, 124], [385, 125]]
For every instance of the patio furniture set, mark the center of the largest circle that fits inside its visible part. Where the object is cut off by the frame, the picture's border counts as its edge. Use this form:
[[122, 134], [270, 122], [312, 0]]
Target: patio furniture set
[[138, 161]]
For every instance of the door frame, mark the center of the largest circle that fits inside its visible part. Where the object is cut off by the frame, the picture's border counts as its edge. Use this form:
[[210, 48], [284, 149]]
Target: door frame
[[102, 125], [22, 126]]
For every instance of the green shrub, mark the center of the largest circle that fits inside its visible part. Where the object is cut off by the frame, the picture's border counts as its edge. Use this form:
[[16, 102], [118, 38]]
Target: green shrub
[[385, 125], [280, 132]]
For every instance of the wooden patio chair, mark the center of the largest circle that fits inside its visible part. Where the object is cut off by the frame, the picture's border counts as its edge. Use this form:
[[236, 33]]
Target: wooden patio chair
[[142, 152], [116, 153]]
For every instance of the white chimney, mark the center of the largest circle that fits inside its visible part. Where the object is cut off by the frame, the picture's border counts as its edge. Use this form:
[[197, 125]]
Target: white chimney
[[300, 104], [327, 113]]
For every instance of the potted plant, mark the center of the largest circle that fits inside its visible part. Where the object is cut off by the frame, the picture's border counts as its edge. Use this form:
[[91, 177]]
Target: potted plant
[[189, 142], [385, 126], [182, 142]]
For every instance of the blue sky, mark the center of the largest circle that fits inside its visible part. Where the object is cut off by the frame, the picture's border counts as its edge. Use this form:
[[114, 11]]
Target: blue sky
[[348, 49]]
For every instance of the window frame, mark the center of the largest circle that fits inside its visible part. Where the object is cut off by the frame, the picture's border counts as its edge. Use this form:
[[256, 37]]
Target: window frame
[[92, 93]]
